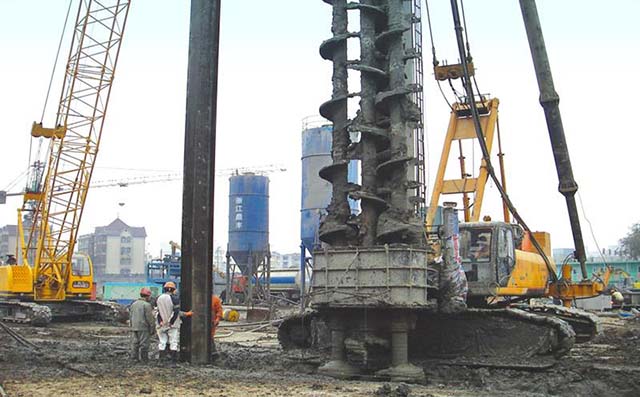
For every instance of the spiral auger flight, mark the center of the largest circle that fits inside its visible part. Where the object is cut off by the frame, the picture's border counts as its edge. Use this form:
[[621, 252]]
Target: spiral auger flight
[[384, 122], [397, 223], [334, 230]]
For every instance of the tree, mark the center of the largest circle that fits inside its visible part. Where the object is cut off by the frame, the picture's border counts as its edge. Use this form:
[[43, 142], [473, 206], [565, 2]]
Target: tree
[[631, 242]]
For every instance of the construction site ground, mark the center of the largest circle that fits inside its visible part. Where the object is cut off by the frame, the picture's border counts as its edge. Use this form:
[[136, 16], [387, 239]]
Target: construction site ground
[[85, 359]]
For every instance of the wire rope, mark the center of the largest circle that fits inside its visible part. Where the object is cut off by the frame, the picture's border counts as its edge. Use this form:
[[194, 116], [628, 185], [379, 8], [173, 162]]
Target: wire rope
[[483, 145], [593, 236], [55, 63]]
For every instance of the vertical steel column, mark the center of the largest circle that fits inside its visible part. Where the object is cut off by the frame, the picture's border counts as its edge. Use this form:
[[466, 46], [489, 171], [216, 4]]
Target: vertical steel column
[[303, 273], [199, 179], [549, 101], [228, 292]]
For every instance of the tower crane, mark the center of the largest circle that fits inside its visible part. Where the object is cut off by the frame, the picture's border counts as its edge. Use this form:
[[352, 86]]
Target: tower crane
[[49, 279], [176, 176]]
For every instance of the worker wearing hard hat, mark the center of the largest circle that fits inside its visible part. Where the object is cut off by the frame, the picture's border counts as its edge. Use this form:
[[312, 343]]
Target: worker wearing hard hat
[[216, 316], [617, 297], [169, 320], [142, 325]]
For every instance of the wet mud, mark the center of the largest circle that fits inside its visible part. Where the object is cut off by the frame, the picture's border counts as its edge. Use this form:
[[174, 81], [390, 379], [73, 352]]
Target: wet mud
[[254, 364]]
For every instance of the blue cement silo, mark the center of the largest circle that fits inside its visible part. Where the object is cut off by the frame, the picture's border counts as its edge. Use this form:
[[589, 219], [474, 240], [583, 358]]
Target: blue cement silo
[[316, 192], [248, 219]]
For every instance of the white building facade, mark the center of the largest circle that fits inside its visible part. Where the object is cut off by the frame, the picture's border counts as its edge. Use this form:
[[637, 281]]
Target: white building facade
[[116, 248]]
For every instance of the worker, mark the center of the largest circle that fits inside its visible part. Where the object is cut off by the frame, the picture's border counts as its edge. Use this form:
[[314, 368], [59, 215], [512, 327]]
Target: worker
[[169, 320], [142, 325], [482, 251], [617, 297], [11, 260], [216, 316]]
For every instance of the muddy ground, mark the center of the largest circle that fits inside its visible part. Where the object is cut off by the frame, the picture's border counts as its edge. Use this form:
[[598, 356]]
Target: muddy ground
[[86, 359]]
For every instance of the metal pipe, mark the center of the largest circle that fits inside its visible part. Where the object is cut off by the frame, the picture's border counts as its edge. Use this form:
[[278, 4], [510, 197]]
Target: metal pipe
[[503, 175], [549, 100], [303, 272], [199, 179], [463, 175]]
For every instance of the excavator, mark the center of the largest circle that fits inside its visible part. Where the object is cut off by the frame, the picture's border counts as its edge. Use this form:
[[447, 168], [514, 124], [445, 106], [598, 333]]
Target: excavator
[[49, 280], [499, 273]]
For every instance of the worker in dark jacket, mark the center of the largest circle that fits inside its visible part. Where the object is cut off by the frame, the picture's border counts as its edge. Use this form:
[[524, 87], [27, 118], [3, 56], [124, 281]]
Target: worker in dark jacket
[[142, 325]]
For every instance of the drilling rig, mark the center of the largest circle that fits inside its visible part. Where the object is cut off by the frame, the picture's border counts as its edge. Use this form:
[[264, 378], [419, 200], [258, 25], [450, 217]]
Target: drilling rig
[[387, 287]]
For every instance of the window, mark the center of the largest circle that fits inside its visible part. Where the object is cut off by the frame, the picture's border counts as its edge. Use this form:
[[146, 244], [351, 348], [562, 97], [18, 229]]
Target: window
[[125, 239], [125, 250], [505, 243], [475, 245], [238, 225], [239, 208], [238, 200], [239, 217], [80, 266]]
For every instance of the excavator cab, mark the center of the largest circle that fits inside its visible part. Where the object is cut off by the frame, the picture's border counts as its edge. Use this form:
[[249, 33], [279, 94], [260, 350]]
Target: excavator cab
[[80, 283], [487, 251]]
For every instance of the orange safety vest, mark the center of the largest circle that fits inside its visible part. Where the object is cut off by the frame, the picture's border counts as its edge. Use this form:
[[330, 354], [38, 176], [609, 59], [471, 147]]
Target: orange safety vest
[[216, 313]]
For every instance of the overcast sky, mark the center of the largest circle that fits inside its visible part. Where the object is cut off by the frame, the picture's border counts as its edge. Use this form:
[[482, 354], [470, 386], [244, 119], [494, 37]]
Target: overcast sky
[[271, 77]]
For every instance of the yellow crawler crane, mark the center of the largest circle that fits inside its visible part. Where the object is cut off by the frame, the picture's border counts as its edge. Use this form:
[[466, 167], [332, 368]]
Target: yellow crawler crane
[[48, 272]]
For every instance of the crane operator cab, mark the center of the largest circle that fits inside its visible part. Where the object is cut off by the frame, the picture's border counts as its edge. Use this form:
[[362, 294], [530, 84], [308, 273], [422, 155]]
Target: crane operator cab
[[80, 283], [487, 250]]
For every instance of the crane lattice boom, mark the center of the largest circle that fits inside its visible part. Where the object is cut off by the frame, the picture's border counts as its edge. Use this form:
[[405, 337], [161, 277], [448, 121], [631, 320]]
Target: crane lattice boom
[[75, 140]]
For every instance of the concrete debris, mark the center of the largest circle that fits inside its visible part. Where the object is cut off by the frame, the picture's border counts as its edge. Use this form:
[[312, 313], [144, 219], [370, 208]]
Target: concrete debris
[[387, 390]]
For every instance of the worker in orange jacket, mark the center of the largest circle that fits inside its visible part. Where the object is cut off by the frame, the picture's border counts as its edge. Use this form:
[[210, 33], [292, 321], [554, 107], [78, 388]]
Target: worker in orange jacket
[[216, 316]]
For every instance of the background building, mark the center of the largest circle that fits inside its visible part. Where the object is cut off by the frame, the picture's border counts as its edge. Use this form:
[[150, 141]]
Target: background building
[[116, 248], [8, 241], [285, 261]]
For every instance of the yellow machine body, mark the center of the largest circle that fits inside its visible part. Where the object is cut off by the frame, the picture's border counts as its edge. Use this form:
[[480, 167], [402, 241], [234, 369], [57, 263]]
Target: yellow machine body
[[15, 279]]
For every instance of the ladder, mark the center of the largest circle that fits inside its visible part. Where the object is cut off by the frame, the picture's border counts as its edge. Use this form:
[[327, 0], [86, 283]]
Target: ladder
[[418, 100]]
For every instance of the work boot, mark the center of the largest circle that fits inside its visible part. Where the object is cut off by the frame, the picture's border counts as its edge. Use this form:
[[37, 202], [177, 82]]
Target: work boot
[[174, 358], [144, 356], [162, 355]]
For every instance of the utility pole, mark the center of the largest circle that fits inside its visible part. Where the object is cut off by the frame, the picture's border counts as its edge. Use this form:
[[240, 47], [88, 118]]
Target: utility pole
[[199, 180], [549, 100]]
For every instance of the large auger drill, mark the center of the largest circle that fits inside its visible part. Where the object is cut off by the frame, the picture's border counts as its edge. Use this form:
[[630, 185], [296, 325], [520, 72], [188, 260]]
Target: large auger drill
[[379, 287], [371, 277]]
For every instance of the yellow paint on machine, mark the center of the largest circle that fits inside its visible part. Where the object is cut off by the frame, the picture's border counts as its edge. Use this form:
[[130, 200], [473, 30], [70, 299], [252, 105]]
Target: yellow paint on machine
[[16, 279]]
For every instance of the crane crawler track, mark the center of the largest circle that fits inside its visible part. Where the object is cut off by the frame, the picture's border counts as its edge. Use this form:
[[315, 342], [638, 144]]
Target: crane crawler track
[[586, 325], [41, 314], [487, 335], [25, 313]]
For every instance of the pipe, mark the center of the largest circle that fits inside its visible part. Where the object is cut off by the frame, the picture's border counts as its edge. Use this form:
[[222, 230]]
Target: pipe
[[199, 180], [549, 101]]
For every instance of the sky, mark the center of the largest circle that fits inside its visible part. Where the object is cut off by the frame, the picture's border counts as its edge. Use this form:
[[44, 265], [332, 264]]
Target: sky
[[271, 77]]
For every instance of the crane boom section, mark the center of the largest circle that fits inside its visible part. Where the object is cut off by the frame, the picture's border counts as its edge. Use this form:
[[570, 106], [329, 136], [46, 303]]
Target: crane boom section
[[75, 141]]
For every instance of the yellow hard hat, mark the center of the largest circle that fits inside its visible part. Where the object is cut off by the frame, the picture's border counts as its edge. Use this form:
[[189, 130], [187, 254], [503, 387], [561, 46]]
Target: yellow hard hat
[[169, 284]]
